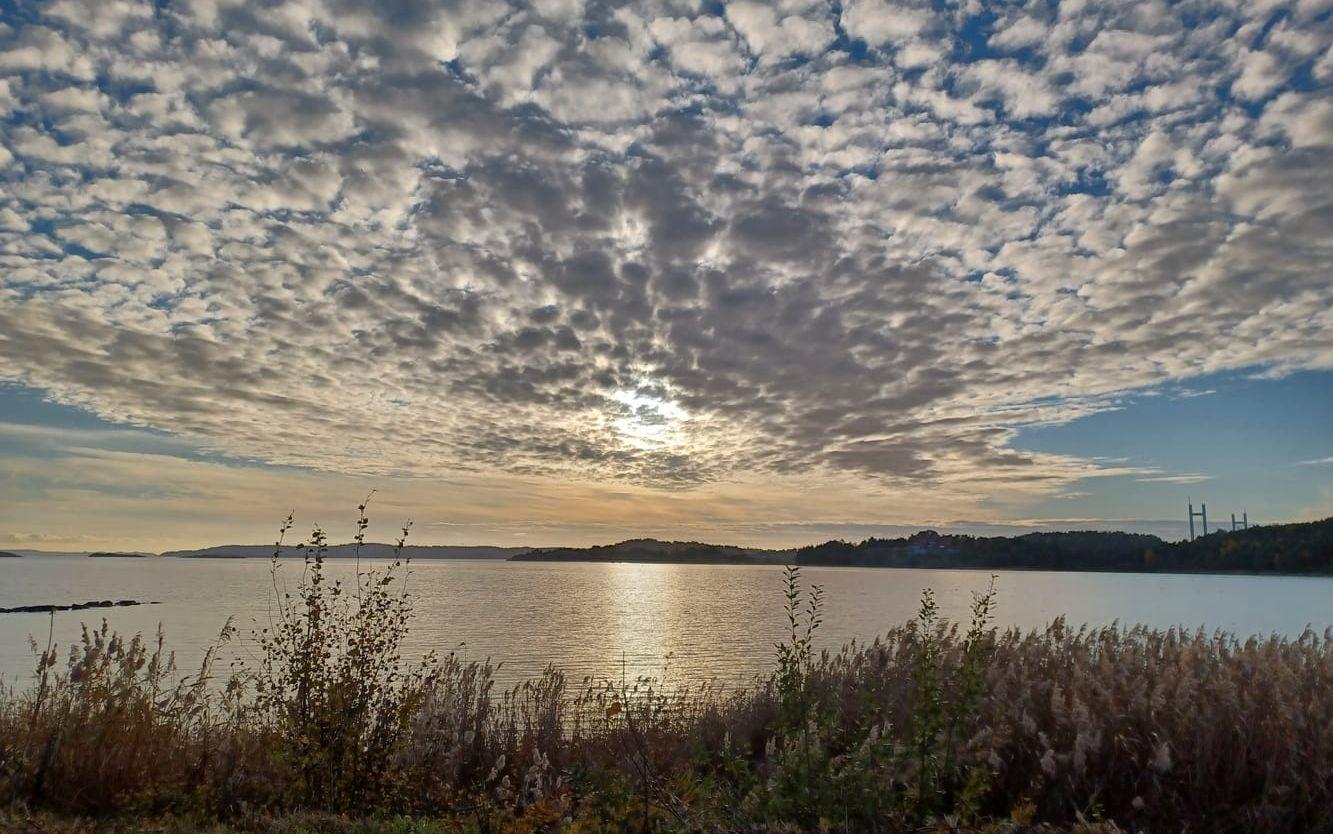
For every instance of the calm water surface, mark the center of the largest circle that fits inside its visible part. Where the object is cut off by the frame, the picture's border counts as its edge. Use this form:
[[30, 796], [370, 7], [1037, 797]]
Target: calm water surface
[[693, 622]]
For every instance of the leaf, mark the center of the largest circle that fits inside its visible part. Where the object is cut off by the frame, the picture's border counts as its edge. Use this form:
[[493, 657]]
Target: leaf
[[613, 710]]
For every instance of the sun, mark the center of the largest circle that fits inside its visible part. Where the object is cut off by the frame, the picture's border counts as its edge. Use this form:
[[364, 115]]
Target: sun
[[647, 418]]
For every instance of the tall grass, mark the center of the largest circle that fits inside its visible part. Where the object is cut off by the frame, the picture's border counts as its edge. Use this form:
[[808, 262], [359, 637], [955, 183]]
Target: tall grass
[[114, 728], [932, 724]]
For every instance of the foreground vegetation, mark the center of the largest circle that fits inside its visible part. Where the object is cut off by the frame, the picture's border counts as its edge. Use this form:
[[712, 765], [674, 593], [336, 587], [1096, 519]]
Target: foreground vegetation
[[323, 725]]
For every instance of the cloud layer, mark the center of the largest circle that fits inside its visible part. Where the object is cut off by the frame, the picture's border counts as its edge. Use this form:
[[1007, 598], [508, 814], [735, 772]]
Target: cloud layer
[[663, 244]]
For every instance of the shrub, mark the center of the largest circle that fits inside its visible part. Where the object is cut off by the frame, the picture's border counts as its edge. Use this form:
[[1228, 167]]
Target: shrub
[[838, 754], [331, 682]]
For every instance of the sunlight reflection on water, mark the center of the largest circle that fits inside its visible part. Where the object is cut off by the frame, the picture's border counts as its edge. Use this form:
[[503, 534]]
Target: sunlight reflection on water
[[715, 621]]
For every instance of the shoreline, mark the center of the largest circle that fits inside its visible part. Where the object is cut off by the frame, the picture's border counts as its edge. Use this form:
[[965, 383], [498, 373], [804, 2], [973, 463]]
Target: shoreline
[[1315, 574]]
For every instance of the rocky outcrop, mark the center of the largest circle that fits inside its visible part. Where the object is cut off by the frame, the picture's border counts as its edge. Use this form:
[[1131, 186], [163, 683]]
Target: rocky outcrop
[[78, 606]]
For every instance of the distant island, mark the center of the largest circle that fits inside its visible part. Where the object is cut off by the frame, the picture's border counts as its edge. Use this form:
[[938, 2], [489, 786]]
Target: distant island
[[1303, 548], [5, 554], [652, 550], [369, 550], [104, 554]]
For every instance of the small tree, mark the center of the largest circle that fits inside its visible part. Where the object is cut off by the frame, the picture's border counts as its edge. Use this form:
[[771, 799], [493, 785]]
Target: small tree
[[330, 678], [946, 701]]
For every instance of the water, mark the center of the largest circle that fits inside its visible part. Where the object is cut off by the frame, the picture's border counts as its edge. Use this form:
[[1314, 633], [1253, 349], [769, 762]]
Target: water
[[691, 622]]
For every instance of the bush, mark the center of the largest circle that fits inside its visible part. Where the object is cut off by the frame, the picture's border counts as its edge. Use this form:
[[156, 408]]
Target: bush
[[331, 684], [836, 754]]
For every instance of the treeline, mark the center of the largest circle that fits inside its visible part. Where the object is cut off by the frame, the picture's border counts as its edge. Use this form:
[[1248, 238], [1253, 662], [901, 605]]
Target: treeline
[[649, 550], [1286, 548]]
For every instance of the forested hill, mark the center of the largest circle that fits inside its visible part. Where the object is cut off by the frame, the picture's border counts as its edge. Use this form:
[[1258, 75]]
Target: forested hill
[[369, 550], [651, 550], [1289, 548], [1286, 548]]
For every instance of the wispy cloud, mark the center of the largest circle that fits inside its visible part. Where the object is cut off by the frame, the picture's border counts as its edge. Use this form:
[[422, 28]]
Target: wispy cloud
[[1175, 479], [30, 538], [1317, 462]]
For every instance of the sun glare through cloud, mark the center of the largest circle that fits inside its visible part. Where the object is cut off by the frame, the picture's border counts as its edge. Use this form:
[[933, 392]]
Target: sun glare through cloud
[[648, 419]]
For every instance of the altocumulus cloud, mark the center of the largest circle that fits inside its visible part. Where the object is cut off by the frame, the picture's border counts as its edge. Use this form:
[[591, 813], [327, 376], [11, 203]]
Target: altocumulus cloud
[[662, 243]]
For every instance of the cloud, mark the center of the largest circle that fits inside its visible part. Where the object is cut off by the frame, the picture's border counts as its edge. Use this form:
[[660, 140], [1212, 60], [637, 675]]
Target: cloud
[[1261, 73], [1175, 479], [879, 22], [111, 492], [656, 245], [15, 537]]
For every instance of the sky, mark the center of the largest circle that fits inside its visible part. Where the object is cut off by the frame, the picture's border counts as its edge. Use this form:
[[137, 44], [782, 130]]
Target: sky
[[566, 272]]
